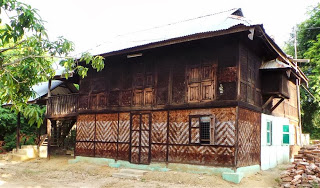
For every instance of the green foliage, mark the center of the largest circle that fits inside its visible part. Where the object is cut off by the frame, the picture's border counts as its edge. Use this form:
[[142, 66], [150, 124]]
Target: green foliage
[[8, 122], [308, 46], [10, 141], [27, 55]]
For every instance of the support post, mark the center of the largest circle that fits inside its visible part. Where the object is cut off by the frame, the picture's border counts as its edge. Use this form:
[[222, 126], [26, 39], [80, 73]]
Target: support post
[[49, 136], [18, 130]]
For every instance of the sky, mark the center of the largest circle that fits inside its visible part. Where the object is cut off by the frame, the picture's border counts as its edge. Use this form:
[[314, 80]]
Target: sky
[[91, 23]]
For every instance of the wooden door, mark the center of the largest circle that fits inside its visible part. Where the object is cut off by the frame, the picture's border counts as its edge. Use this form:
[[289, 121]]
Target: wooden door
[[140, 138]]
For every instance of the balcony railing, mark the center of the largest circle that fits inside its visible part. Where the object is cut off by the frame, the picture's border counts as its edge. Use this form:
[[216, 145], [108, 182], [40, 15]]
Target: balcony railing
[[62, 105]]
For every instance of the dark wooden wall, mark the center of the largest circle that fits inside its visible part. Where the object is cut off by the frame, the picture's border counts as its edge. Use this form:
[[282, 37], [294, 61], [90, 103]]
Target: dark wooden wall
[[191, 73], [250, 82]]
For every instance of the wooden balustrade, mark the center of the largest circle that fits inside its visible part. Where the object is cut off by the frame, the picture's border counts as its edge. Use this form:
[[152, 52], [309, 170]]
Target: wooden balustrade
[[62, 105]]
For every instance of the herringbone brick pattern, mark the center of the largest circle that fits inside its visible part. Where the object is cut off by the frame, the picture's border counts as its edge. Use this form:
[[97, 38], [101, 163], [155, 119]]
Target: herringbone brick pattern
[[159, 127], [249, 138], [108, 150], [85, 128]]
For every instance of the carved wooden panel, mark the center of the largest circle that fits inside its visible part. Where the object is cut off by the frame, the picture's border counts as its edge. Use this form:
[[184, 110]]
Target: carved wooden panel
[[138, 97], [108, 150], [194, 74], [149, 79], [93, 103], [207, 72], [248, 138], [85, 128], [138, 80], [83, 101], [207, 90], [227, 74], [178, 83], [107, 127], [243, 92], [126, 97], [162, 83], [148, 96], [194, 92], [159, 127], [114, 98], [102, 101]]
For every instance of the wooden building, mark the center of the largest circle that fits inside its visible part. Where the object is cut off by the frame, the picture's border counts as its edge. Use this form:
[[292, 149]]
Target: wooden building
[[194, 96]]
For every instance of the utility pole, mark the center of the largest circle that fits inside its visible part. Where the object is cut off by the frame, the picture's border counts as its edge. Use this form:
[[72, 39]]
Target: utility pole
[[298, 82]]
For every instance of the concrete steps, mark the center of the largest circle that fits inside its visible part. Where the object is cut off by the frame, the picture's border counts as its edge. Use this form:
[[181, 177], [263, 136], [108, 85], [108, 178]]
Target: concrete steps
[[25, 153], [129, 174]]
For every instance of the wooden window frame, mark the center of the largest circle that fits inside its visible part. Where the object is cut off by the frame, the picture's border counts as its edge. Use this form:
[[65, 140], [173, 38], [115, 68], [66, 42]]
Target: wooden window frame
[[270, 133], [286, 133], [201, 82], [211, 133]]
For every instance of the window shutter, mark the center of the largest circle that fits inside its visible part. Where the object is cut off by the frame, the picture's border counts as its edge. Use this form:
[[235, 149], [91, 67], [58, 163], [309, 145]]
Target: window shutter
[[286, 134], [212, 129], [195, 130]]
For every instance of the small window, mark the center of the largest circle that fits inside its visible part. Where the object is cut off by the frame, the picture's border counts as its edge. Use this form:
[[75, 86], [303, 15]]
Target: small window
[[205, 130], [269, 132], [202, 129], [285, 135]]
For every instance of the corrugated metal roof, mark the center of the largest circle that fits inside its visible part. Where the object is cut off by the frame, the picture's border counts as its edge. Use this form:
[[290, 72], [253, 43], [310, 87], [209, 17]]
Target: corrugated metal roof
[[274, 64], [41, 89], [208, 23]]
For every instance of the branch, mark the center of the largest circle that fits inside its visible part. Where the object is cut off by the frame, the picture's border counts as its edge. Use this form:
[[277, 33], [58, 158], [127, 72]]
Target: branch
[[32, 56], [12, 47]]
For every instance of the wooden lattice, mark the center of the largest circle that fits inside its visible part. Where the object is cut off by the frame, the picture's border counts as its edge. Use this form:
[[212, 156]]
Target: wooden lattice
[[249, 138]]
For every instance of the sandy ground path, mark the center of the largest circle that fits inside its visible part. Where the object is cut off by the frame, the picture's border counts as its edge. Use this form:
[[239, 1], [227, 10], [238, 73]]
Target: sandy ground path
[[56, 172]]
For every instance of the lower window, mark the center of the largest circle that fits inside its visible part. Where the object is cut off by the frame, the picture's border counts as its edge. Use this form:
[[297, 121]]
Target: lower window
[[202, 129]]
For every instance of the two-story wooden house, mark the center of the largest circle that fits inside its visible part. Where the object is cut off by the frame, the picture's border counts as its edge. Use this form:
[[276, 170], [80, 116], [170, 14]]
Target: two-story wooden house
[[190, 92]]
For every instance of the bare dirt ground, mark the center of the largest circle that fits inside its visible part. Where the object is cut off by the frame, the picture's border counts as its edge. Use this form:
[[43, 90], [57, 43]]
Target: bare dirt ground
[[56, 172]]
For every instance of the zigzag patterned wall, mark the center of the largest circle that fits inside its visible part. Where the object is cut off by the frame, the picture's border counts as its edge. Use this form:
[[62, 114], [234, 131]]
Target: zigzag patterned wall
[[108, 135], [249, 126]]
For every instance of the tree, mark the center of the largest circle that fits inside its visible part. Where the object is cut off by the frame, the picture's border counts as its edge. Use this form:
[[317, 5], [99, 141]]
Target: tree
[[27, 55], [308, 45]]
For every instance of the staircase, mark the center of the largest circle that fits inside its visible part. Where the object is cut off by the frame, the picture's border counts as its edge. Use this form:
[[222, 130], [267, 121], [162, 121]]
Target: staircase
[[129, 174], [28, 152], [25, 153]]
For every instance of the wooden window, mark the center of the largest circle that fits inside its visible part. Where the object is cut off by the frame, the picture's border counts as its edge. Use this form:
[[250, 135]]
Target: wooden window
[[207, 90], [201, 83], [148, 96], [138, 97], [269, 132], [207, 72], [285, 134], [202, 129], [194, 75], [194, 92]]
